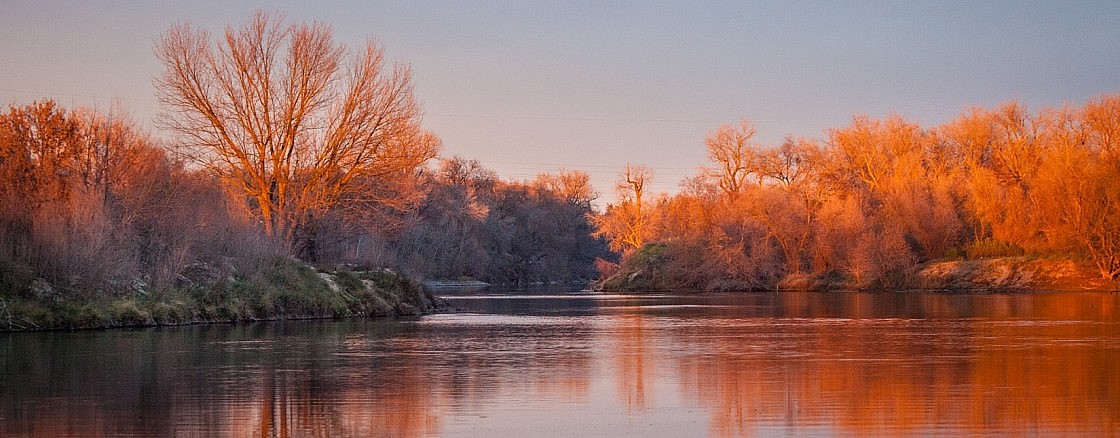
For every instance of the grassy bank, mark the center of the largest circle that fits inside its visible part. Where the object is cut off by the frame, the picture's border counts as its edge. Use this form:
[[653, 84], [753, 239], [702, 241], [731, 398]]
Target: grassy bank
[[645, 271], [270, 288]]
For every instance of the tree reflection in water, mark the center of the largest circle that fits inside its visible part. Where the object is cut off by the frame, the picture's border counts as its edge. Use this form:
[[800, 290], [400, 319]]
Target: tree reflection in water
[[877, 364], [724, 364]]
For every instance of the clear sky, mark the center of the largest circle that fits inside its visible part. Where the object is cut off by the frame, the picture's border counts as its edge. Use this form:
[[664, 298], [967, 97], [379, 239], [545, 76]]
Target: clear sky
[[528, 87]]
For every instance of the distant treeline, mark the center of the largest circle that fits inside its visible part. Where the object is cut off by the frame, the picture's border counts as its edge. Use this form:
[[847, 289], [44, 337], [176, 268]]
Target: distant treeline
[[473, 224], [871, 201]]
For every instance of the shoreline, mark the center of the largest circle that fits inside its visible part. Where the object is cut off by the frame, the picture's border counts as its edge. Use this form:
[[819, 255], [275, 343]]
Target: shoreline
[[5, 324], [976, 276], [284, 289]]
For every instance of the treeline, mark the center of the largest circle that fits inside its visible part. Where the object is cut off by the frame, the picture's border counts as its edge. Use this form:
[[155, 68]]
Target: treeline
[[93, 205], [469, 224], [863, 206], [286, 150], [95, 209], [474, 225]]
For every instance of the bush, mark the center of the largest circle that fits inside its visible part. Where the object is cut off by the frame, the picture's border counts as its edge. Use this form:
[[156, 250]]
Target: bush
[[605, 268], [172, 307], [128, 312], [644, 270], [15, 279], [990, 248], [953, 253]]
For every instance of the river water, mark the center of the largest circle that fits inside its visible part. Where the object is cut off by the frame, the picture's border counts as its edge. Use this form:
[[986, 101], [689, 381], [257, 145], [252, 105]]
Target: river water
[[557, 363]]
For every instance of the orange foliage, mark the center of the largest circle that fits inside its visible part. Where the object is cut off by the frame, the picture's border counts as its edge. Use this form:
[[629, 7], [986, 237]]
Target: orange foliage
[[881, 195], [628, 224], [89, 201], [290, 124]]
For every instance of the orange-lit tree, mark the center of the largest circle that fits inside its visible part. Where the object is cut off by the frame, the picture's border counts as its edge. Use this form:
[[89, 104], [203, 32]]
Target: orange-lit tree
[[873, 199], [90, 203], [731, 152], [628, 224], [291, 121]]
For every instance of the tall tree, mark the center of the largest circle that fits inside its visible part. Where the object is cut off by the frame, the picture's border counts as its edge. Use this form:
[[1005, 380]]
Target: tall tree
[[290, 121], [89, 199], [573, 186], [629, 224], [731, 151]]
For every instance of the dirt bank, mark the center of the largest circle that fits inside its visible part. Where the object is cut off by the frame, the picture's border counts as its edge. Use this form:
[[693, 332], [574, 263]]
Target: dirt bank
[[1007, 274]]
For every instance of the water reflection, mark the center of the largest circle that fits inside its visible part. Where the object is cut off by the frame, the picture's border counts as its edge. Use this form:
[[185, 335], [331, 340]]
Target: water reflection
[[581, 364]]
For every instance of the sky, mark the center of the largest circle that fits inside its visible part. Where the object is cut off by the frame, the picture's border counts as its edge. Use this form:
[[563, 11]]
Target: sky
[[527, 87]]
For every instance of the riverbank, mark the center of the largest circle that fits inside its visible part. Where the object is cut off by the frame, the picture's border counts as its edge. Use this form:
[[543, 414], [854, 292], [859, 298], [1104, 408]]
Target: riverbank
[[1008, 274], [276, 288], [648, 271], [997, 274]]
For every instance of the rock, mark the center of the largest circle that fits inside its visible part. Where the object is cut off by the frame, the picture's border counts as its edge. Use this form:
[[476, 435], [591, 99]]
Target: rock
[[331, 283], [41, 289]]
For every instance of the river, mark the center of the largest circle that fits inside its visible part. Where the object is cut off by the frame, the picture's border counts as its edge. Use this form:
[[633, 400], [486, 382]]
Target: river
[[556, 363]]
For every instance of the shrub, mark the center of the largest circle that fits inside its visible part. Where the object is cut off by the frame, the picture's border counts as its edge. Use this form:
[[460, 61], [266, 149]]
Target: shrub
[[15, 279], [953, 253], [605, 268], [989, 248], [128, 312]]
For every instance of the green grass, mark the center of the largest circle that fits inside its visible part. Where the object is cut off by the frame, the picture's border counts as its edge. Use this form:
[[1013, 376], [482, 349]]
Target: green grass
[[263, 289], [645, 270]]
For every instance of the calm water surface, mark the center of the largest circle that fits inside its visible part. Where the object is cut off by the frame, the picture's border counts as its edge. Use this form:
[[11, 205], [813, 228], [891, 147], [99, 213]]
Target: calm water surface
[[585, 364]]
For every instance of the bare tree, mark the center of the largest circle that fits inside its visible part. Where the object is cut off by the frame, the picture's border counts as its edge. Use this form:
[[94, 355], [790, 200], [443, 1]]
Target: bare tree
[[573, 186], [730, 149], [629, 224], [290, 121], [633, 183]]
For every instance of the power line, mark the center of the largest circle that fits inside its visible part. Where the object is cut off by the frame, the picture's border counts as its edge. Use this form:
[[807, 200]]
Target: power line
[[613, 119], [590, 168], [48, 95], [578, 119]]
